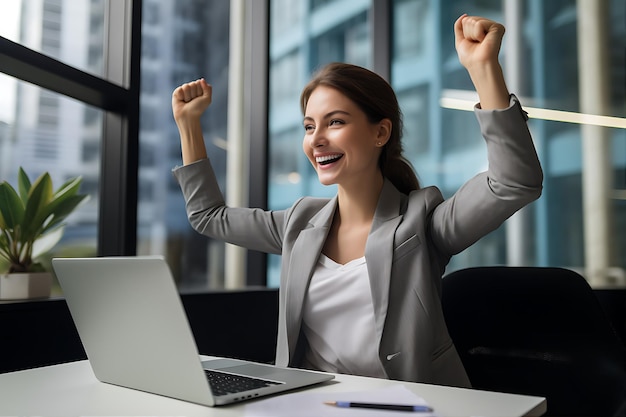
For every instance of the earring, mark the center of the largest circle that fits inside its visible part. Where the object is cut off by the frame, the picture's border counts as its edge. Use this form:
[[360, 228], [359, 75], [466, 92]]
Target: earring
[[379, 143]]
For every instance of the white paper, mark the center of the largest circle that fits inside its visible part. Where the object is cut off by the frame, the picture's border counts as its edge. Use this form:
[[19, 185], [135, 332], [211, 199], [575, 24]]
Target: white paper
[[311, 404]]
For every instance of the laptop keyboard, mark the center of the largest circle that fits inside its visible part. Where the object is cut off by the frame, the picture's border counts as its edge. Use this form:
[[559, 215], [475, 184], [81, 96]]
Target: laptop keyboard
[[222, 383]]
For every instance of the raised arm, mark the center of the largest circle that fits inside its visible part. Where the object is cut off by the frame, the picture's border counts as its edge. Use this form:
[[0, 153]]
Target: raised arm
[[189, 101], [514, 176], [206, 209], [477, 42]]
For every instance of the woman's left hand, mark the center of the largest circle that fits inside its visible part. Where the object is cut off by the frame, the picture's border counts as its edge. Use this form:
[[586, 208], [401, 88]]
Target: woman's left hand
[[477, 41]]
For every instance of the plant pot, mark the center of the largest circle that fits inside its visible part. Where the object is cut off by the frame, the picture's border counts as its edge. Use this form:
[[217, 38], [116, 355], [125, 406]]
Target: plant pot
[[27, 285]]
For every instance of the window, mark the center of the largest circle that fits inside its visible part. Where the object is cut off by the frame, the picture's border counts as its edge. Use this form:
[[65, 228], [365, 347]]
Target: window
[[51, 136], [44, 127], [125, 145], [69, 31], [61, 116], [183, 41], [579, 221]]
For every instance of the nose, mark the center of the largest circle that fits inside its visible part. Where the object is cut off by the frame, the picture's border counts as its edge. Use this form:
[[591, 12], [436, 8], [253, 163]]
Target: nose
[[316, 138]]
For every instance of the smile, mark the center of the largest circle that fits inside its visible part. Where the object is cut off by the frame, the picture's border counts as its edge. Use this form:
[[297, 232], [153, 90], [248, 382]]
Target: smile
[[327, 159]]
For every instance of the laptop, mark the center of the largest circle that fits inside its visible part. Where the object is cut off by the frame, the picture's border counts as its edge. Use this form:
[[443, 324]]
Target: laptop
[[135, 331]]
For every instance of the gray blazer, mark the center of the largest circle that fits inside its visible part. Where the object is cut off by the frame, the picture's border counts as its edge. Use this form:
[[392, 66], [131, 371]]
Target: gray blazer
[[412, 239]]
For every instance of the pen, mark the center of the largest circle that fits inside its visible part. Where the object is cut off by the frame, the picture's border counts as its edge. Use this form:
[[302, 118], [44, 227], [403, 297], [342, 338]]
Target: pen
[[379, 406]]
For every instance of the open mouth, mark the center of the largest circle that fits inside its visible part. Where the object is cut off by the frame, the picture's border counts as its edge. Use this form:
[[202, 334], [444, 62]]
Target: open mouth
[[328, 159]]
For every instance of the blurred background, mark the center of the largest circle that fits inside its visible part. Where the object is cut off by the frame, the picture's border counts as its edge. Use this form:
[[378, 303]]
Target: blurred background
[[565, 59]]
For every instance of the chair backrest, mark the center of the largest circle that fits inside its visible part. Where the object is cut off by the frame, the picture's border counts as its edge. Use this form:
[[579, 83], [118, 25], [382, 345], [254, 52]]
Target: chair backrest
[[536, 331]]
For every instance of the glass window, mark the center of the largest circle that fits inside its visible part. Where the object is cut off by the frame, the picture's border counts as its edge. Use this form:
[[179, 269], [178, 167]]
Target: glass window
[[412, 22], [71, 31], [183, 40], [43, 131], [301, 40], [579, 222]]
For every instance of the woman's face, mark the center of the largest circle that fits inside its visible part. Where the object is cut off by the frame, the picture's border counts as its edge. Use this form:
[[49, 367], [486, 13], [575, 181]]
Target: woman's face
[[341, 144]]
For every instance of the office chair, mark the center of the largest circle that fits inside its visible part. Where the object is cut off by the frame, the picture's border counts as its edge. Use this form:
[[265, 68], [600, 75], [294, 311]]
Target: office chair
[[537, 331]]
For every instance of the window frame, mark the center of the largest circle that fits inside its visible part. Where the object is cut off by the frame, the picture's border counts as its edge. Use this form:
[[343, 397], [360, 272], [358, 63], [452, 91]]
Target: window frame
[[117, 94]]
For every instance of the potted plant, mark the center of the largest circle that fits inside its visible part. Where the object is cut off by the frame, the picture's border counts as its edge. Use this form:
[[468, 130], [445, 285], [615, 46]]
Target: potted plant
[[31, 223]]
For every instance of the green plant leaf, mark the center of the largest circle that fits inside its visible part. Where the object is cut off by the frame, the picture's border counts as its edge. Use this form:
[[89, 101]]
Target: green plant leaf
[[3, 224], [59, 209], [35, 215], [23, 185], [5, 246], [61, 204], [70, 187], [31, 221], [11, 207], [47, 241], [64, 201]]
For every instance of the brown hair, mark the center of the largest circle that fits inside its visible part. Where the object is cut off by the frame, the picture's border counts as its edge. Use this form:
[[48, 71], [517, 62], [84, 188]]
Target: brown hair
[[375, 97]]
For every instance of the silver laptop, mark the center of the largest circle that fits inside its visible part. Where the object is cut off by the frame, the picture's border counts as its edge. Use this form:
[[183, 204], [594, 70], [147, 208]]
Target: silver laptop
[[135, 332]]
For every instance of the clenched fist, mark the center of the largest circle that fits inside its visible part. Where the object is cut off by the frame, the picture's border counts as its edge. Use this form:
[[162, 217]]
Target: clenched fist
[[190, 100]]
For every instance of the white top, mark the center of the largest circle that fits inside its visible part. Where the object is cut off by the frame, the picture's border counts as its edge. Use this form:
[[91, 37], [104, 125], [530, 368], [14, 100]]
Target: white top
[[338, 320]]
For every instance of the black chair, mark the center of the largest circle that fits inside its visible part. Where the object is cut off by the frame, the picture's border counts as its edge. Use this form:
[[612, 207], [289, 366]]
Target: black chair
[[537, 331]]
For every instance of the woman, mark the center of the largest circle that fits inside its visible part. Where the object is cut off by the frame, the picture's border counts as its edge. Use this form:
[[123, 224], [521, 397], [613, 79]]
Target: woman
[[360, 279]]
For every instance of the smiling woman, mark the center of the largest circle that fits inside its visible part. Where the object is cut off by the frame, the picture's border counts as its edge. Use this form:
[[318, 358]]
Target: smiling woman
[[372, 256]]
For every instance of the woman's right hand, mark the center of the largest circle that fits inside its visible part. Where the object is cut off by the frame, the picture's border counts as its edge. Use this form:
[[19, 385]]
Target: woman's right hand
[[190, 100]]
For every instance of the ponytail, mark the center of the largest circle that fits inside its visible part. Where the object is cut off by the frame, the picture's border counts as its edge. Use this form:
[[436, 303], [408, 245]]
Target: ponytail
[[399, 171]]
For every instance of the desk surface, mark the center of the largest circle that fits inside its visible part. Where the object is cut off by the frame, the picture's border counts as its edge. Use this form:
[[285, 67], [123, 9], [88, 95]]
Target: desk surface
[[72, 390]]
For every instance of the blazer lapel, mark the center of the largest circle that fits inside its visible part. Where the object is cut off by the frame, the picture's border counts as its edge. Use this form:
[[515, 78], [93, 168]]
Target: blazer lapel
[[378, 254], [379, 250], [305, 253]]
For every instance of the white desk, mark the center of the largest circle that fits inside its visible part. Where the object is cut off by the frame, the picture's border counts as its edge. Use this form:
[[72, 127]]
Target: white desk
[[72, 390]]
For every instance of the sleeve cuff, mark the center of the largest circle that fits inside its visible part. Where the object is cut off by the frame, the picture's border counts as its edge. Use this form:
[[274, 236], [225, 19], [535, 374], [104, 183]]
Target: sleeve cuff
[[513, 103]]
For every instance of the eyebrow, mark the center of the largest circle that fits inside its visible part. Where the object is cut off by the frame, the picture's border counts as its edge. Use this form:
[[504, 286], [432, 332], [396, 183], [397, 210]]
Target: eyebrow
[[328, 115]]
